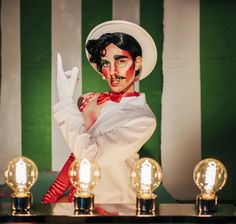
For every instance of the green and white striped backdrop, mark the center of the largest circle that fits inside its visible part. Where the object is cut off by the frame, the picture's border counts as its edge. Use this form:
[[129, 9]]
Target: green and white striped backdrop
[[191, 91]]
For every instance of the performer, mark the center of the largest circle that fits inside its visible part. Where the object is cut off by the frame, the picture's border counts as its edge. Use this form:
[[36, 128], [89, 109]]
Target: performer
[[109, 127]]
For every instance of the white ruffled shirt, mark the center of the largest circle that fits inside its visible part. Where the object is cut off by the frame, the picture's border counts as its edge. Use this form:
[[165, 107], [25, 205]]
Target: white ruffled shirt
[[113, 141]]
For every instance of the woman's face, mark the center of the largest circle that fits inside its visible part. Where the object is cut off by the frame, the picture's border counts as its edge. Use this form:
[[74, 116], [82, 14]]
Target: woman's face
[[118, 69]]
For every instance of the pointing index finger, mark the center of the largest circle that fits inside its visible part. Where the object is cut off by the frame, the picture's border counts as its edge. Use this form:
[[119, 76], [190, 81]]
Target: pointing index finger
[[59, 64]]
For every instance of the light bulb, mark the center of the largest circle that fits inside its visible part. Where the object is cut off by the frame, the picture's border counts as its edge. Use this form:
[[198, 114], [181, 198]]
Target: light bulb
[[84, 176], [210, 176], [146, 177], [21, 173]]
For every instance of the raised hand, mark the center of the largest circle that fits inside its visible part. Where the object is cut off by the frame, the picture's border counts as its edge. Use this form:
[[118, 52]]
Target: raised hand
[[66, 81]]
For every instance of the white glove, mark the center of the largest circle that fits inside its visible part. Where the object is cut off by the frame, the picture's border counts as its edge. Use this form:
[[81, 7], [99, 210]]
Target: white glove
[[66, 81]]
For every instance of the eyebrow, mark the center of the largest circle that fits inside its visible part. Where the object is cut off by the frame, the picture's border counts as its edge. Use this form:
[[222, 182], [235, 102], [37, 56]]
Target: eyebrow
[[117, 57]]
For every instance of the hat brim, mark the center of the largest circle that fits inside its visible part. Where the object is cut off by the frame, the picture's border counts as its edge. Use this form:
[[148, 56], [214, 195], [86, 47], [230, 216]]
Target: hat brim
[[149, 50]]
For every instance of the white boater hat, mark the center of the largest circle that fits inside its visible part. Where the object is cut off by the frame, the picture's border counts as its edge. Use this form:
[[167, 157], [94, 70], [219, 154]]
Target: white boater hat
[[149, 50]]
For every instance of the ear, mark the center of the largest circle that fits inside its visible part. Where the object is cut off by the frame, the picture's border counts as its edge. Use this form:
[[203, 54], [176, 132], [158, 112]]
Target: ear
[[138, 63]]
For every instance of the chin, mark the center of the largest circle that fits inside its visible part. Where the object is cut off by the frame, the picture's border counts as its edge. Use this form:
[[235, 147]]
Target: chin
[[115, 90]]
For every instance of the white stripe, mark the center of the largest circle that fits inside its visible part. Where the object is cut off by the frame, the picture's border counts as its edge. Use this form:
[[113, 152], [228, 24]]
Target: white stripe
[[129, 11], [10, 113], [66, 39], [126, 10], [181, 112]]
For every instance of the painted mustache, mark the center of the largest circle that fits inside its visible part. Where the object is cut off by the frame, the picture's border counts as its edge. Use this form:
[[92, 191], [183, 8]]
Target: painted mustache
[[118, 77]]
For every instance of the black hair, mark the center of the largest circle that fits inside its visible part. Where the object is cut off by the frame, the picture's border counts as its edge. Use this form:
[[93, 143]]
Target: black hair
[[122, 40]]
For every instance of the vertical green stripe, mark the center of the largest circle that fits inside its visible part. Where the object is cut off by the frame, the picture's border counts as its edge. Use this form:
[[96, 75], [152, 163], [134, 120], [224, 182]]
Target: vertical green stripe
[[151, 17], [94, 12], [218, 79], [36, 81]]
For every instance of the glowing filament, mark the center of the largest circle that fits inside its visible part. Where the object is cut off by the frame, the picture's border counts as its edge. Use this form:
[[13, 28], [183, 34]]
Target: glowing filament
[[210, 177], [85, 172], [21, 173], [146, 178]]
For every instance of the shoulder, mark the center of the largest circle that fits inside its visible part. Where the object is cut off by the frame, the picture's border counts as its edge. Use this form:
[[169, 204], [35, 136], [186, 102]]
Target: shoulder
[[84, 99]]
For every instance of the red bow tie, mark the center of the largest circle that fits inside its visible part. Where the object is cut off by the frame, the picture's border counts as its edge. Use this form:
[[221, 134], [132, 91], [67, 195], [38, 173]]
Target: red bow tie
[[115, 97]]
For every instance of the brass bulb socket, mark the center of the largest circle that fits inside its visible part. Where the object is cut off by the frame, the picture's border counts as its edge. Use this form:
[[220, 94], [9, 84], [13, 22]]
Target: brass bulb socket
[[146, 205], [83, 205], [206, 205], [21, 205]]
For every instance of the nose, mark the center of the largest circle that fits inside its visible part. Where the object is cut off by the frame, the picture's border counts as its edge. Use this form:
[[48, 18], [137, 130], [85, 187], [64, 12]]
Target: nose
[[113, 69]]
